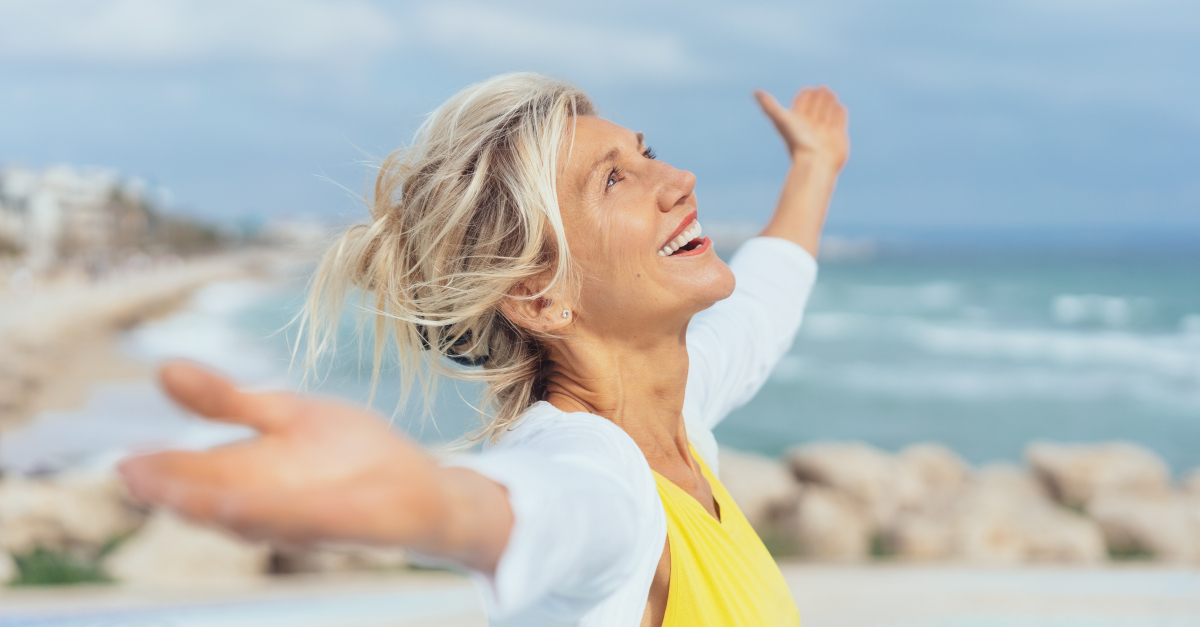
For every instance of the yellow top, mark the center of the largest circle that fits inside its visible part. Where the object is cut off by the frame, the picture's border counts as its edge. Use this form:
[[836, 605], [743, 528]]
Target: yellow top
[[721, 574]]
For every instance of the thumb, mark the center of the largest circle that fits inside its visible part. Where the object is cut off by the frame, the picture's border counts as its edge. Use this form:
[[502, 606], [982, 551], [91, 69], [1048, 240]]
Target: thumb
[[213, 396], [773, 110]]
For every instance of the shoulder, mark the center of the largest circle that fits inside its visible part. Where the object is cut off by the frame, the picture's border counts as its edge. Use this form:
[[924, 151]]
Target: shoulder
[[545, 428]]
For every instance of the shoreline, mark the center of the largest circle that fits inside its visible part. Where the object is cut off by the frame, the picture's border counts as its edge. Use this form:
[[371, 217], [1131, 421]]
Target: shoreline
[[60, 340]]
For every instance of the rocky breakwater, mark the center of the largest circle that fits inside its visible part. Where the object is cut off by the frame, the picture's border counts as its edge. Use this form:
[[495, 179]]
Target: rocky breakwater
[[73, 528], [45, 332], [1071, 503]]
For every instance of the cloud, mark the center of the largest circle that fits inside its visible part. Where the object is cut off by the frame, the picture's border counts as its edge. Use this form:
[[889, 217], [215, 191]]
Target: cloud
[[173, 32], [485, 35]]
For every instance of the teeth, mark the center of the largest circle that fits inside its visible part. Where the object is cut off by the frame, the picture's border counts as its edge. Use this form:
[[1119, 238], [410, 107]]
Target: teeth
[[689, 234]]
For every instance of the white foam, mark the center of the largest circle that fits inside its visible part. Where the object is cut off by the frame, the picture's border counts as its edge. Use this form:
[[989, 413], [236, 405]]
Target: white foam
[[1112, 311], [206, 331], [987, 382], [1174, 355], [125, 417]]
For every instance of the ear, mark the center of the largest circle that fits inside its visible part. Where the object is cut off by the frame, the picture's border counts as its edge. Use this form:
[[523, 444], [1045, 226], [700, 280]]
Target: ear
[[542, 314]]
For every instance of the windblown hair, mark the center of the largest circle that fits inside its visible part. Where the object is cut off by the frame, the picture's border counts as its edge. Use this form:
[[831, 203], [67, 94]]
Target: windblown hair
[[458, 219]]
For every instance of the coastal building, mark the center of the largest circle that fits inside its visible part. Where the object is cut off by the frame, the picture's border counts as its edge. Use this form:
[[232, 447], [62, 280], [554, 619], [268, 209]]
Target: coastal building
[[64, 214]]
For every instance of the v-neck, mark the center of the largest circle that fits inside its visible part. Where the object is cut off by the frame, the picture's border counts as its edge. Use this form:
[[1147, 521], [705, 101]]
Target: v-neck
[[693, 501]]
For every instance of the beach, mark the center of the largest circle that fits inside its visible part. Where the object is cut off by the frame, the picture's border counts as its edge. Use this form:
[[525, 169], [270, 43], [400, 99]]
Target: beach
[[916, 528], [889, 595], [59, 339]]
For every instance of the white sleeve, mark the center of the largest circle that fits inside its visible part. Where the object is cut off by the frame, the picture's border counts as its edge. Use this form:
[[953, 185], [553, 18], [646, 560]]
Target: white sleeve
[[580, 516], [734, 345]]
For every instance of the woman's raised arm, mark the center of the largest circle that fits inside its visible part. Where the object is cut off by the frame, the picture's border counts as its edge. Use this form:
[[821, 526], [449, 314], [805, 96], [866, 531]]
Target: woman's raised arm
[[814, 130], [734, 345], [320, 470]]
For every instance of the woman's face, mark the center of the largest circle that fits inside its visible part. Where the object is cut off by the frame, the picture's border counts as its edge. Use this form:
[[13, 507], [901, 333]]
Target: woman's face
[[632, 228]]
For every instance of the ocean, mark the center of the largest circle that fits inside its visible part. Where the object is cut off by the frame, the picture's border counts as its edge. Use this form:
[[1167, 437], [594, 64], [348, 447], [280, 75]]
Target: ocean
[[983, 352]]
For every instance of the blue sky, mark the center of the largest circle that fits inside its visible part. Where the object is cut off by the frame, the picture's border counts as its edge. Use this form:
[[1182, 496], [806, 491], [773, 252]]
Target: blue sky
[[1045, 115]]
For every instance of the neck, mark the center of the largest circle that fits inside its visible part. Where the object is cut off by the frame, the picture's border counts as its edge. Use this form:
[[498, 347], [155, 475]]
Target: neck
[[635, 381]]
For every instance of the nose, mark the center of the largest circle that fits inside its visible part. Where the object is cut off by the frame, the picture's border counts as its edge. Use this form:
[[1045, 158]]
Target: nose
[[676, 189]]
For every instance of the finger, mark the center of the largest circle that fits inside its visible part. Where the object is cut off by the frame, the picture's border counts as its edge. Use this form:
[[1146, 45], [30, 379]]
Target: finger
[[775, 111], [821, 106], [213, 396], [841, 116], [805, 102], [829, 105], [148, 475], [183, 482]]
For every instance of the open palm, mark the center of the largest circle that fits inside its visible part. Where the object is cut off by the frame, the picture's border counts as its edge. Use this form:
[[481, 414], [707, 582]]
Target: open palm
[[814, 126], [317, 470]]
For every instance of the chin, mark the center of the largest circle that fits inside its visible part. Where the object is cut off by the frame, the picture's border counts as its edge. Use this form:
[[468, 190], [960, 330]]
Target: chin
[[713, 284]]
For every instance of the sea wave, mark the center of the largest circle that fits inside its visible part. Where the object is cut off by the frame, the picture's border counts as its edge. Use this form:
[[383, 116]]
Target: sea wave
[[1175, 355], [208, 330], [959, 382]]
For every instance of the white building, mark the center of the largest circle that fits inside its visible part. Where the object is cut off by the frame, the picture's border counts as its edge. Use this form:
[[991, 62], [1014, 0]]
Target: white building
[[67, 213]]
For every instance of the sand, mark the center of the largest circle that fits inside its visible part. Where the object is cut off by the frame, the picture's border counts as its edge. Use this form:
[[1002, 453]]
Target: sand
[[859, 595]]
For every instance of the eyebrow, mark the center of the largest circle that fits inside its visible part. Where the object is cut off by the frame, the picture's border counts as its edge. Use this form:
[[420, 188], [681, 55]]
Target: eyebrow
[[611, 155]]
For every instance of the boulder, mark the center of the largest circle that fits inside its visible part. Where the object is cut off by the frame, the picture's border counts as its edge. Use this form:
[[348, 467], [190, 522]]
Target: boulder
[[862, 473], [1161, 525], [75, 512], [1190, 483], [759, 485], [169, 551], [1077, 473], [934, 468], [826, 524], [1002, 516], [884, 486]]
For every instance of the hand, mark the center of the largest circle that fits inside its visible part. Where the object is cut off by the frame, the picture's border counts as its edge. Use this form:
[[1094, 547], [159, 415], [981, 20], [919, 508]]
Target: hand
[[815, 126], [318, 470]]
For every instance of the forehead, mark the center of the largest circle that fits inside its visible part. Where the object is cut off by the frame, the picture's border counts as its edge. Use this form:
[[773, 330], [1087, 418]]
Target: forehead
[[594, 141]]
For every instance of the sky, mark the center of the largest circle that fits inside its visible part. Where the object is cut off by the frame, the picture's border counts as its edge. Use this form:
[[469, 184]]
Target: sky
[[1040, 115]]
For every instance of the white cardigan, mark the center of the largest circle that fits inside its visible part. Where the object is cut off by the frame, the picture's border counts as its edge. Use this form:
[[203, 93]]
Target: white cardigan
[[589, 528]]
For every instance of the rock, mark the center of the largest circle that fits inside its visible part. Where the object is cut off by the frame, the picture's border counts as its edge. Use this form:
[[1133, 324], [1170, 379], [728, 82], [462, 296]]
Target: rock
[[76, 512], [759, 485], [329, 558], [863, 473], [1164, 526], [8, 567], [1001, 516], [170, 551], [883, 485], [1077, 473], [934, 467], [827, 525], [1191, 482]]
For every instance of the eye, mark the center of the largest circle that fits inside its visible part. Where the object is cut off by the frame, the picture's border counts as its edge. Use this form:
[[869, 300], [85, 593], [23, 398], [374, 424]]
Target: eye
[[649, 153], [613, 177]]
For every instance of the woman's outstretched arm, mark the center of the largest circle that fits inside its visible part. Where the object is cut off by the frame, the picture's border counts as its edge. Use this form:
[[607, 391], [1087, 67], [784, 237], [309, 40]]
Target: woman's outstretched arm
[[320, 470], [814, 130]]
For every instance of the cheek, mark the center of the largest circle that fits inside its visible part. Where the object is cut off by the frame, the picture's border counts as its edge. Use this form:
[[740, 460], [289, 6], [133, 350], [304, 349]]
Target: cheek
[[613, 250]]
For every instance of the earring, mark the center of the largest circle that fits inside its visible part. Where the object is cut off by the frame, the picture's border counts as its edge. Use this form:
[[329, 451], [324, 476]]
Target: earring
[[566, 313]]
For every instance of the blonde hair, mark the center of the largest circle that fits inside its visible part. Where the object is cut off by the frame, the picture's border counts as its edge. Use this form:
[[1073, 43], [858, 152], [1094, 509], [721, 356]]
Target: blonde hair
[[458, 219]]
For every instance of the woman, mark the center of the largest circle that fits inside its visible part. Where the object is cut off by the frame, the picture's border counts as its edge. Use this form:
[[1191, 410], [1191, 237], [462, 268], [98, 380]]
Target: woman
[[544, 251]]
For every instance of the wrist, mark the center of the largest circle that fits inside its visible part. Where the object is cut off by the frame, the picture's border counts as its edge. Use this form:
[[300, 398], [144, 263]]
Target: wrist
[[815, 163]]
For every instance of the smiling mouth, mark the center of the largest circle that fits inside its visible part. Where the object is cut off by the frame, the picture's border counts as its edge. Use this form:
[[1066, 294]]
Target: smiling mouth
[[687, 241]]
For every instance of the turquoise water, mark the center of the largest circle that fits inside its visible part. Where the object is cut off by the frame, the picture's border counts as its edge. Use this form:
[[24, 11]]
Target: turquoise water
[[981, 353]]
